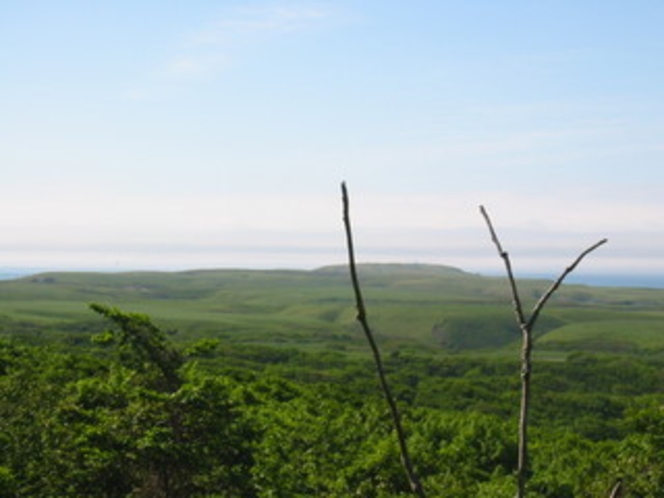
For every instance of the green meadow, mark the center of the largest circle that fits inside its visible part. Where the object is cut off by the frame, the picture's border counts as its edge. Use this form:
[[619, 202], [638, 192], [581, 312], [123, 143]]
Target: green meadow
[[418, 308]]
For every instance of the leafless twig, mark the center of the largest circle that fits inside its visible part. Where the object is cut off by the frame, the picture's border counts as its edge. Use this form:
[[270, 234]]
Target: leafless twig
[[526, 326], [616, 492], [415, 485]]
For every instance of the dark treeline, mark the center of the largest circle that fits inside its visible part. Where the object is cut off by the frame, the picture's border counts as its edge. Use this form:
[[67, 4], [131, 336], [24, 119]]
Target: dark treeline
[[133, 415]]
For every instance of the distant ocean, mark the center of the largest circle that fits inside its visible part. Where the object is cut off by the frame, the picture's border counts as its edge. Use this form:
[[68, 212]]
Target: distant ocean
[[608, 280], [645, 281], [12, 273]]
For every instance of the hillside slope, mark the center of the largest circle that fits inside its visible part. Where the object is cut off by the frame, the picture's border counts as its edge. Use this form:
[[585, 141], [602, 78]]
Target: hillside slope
[[419, 307]]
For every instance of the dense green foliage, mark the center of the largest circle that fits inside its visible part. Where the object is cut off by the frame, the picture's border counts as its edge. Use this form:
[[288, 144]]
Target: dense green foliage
[[141, 419], [120, 407]]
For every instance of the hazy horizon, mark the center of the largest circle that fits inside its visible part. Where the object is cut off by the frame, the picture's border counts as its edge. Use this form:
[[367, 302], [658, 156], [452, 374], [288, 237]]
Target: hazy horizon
[[642, 280]]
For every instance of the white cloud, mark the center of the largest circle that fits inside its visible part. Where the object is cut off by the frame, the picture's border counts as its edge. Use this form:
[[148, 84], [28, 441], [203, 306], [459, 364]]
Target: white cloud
[[267, 20], [195, 65], [211, 48]]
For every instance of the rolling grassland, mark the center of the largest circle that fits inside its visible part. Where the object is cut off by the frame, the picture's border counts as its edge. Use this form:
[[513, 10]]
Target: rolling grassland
[[433, 309]]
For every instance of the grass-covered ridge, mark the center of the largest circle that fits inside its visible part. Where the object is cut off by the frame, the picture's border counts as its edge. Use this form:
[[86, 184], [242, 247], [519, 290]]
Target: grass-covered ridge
[[416, 307]]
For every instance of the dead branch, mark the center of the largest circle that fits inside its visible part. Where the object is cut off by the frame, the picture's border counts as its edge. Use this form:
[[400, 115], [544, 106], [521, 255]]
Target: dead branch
[[415, 485], [554, 287], [518, 308], [616, 492], [526, 326]]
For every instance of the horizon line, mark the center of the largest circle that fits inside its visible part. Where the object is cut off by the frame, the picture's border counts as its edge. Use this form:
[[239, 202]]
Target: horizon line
[[591, 278]]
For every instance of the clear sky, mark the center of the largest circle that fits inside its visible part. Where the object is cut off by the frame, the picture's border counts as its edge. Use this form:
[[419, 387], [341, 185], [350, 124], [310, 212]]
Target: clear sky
[[170, 134]]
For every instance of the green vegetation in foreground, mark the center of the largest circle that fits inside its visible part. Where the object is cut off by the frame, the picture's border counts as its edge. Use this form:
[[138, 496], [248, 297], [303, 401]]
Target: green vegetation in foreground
[[132, 415], [205, 405], [411, 307]]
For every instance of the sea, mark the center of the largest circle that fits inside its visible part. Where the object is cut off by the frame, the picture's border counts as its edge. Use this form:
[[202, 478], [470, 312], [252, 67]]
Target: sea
[[11, 274], [639, 281]]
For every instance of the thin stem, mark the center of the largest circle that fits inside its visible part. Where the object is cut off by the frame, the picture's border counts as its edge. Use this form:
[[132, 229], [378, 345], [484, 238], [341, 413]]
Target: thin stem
[[518, 308], [554, 287], [526, 327], [526, 348], [616, 492], [415, 485]]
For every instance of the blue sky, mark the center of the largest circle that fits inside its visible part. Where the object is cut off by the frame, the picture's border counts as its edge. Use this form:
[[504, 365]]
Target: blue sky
[[163, 134]]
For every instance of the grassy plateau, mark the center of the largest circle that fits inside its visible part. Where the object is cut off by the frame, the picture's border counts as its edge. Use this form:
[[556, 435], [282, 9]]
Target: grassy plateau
[[413, 307]]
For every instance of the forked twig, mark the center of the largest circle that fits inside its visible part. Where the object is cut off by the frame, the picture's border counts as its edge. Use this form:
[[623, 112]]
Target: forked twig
[[415, 485], [554, 287], [526, 326]]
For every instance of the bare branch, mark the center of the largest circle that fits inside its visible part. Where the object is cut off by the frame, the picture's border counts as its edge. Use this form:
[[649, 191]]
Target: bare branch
[[518, 308], [554, 287], [526, 349], [616, 492], [415, 485], [526, 327]]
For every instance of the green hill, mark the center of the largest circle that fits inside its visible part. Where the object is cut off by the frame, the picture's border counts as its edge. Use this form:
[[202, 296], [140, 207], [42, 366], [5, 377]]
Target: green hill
[[416, 307]]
